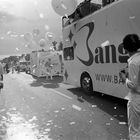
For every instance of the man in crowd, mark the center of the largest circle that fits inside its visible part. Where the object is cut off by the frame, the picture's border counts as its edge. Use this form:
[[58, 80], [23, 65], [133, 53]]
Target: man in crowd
[[131, 44], [1, 76]]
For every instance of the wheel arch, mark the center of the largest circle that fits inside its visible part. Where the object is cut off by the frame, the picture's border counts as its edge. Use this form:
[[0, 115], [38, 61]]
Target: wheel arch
[[83, 74]]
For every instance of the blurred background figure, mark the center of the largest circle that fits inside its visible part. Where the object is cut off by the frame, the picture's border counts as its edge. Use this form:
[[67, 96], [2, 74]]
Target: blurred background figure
[[49, 67], [1, 76], [6, 68], [13, 69]]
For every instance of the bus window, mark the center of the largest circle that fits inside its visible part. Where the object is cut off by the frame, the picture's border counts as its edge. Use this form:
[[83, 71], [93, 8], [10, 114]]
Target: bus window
[[68, 53], [106, 2], [87, 7]]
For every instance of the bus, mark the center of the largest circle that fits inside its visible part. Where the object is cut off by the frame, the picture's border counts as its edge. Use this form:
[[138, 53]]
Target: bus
[[24, 66], [92, 45], [39, 61]]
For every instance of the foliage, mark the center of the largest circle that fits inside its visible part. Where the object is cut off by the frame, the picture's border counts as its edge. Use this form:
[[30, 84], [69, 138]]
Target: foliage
[[10, 59]]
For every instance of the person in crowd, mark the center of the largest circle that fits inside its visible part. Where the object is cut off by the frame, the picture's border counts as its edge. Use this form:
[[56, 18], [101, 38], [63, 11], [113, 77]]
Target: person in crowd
[[6, 68], [1, 75], [13, 69], [84, 9], [18, 68], [49, 67], [131, 44]]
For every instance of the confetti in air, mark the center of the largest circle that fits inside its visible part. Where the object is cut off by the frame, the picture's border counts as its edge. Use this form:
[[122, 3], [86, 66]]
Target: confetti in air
[[35, 3], [41, 15], [47, 27], [17, 49]]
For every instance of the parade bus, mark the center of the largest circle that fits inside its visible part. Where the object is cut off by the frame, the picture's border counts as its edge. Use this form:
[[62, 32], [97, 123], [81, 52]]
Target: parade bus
[[93, 51], [39, 61]]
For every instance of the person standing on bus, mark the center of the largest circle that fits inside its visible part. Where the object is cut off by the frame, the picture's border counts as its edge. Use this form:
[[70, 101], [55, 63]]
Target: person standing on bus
[[131, 44]]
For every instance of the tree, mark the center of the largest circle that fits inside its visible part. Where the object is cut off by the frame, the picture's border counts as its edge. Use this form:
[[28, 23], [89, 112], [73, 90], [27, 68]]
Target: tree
[[10, 60]]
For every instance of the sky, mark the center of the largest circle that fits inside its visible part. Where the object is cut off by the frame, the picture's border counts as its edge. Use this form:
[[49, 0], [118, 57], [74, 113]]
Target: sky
[[23, 23]]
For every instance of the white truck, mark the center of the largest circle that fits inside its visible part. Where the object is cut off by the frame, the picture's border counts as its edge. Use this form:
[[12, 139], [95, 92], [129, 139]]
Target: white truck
[[93, 51], [39, 60]]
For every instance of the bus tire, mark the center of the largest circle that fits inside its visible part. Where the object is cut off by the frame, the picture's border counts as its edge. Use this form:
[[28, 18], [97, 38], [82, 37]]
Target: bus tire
[[86, 83]]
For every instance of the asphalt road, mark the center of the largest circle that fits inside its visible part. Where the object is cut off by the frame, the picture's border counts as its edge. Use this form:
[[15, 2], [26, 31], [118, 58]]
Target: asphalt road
[[39, 109]]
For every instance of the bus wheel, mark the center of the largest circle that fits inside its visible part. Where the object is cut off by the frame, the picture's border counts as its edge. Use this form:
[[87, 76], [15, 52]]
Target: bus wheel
[[86, 83]]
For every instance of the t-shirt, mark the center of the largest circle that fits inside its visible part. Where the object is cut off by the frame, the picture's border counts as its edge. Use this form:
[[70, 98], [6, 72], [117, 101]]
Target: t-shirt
[[134, 72]]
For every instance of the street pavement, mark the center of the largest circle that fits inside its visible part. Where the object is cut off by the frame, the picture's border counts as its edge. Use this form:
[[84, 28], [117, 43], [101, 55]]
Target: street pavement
[[38, 109]]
